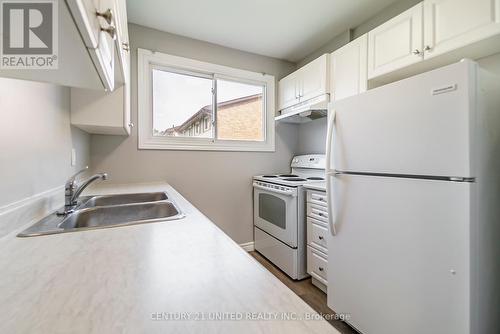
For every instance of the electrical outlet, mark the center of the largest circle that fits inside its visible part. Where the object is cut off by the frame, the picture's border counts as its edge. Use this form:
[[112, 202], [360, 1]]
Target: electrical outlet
[[73, 157]]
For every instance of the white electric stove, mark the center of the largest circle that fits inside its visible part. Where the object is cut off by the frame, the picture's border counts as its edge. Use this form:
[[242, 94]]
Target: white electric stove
[[279, 213]]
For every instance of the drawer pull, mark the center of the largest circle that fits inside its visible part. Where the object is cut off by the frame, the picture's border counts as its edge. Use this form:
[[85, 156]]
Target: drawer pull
[[321, 214], [320, 237], [321, 268]]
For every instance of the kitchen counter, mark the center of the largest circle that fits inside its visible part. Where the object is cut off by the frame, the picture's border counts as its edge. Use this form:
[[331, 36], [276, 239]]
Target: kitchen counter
[[321, 186], [150, 278]]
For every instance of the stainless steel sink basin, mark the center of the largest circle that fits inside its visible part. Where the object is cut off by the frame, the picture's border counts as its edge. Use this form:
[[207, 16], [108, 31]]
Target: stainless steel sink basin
[[120, 199], [109, 216], [109, 211]]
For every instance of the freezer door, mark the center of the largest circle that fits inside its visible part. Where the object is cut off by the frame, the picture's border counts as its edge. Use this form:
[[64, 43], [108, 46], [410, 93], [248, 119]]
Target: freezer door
[[399, 260], [419, 126]]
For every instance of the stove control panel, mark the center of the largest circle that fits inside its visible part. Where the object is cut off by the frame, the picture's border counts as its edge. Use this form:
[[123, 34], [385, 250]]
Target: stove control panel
[[309, 161], [275, 188]]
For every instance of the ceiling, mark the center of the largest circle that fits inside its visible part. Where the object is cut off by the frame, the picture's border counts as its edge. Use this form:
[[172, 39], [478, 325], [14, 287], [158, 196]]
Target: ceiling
[[285, 29]]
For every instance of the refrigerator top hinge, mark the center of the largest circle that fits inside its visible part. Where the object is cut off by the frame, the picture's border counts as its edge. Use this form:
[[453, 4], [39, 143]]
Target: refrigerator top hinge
[[462, 179]]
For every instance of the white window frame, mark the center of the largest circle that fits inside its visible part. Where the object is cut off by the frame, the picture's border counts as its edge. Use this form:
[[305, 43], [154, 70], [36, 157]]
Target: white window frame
[[148, 60]]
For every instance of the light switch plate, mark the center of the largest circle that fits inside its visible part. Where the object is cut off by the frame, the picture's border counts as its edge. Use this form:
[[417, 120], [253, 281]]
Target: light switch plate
[[73, 157]]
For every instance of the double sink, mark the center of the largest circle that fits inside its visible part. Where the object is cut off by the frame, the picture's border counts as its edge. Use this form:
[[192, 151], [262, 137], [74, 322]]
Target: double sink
[[109, 211]]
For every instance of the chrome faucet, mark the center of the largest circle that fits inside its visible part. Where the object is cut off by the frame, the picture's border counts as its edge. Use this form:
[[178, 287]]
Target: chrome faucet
[[72, 191]]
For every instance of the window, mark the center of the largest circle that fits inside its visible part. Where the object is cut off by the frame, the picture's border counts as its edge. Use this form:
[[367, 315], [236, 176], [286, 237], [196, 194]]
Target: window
[[187, 104], [206, 124]]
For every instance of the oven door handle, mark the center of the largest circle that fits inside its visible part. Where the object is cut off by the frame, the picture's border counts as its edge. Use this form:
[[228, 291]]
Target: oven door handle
[[272, 190]]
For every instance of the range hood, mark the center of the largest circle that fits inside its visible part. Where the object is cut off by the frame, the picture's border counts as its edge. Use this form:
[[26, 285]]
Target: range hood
[[305, 111]]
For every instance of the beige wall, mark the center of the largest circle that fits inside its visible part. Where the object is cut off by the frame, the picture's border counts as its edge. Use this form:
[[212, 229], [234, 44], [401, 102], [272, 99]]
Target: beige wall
[[218, 183], [36, 139]]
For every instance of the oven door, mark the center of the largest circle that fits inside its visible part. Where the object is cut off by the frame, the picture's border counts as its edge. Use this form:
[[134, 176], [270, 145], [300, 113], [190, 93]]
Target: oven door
[[275, 211]]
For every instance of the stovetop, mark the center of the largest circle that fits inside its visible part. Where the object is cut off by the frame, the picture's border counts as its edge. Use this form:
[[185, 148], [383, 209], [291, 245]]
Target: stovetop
[[293, 180], [305, 169]]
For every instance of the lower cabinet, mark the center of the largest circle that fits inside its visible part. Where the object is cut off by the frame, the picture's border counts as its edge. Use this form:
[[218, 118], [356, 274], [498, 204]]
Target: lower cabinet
[[317, 233]]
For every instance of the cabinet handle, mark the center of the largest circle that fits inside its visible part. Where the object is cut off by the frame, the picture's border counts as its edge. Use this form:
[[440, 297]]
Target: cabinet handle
[[107, 15], [427, 48], [320, 237], [111, 30], [321, 268], [125, 46], [131, 124], [321, 214], [416, 52]]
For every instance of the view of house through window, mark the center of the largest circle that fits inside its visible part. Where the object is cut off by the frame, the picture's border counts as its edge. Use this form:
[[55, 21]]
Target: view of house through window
[[180, 102], [183, 107], [239, 111]]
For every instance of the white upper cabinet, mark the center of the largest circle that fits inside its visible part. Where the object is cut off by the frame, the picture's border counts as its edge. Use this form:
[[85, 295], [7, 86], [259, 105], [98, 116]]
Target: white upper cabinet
[[349, 66], [452, 24], [288, 91], [450, 29], [99, 112], [314, 78], [76, 67], [96, 22], [306, 83], [396, 43]]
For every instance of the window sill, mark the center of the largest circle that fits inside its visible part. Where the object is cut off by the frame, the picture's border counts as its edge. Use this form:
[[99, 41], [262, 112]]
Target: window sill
[[229, 147]]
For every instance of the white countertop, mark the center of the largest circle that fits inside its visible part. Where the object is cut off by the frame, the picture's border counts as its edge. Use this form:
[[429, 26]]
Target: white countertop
[[321, 186], [128, 279]]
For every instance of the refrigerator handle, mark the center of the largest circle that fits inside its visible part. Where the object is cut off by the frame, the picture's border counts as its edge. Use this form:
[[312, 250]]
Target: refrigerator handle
[[331, 209], [330, 172], [329, 137]]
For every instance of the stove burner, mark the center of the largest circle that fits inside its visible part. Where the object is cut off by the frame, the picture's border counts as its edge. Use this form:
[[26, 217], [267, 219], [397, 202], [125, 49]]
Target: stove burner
[[314, 178], [295, 179], [269, 176], [288, 175]]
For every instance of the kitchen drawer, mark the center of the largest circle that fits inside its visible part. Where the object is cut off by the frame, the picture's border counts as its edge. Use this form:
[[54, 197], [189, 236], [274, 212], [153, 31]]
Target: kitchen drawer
[[318, 212], [317, 233], [316, 197], [317, 265]]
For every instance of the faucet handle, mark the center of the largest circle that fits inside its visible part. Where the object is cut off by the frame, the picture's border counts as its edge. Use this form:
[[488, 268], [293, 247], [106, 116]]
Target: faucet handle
[[71, 180]]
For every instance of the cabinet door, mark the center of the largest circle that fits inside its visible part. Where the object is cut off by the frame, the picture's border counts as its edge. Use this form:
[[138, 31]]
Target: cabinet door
[[100, 43], [84, 12], [451, 24], [396, 43], [314, 78], [288, 91], [348, 74]]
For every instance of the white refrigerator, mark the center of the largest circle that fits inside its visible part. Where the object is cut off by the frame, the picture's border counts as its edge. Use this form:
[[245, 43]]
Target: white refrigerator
[[413, 183]]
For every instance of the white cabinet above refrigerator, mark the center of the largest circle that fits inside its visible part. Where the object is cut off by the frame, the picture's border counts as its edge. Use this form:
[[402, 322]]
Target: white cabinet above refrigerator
[[433, 33], [348, 69]]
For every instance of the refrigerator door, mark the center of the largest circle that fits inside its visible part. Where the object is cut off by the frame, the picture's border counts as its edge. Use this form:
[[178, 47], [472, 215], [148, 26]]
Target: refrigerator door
[[418, 126], [399, 260]]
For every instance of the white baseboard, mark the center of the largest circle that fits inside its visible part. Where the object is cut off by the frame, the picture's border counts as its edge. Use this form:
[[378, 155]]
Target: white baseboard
[[248, 246]]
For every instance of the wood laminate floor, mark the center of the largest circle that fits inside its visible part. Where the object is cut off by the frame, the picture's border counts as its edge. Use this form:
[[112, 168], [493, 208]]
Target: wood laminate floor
[[307, 291]]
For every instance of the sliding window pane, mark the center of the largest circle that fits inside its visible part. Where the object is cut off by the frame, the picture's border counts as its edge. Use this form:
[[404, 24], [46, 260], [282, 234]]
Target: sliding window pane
[[240, 111], [182, 105]]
